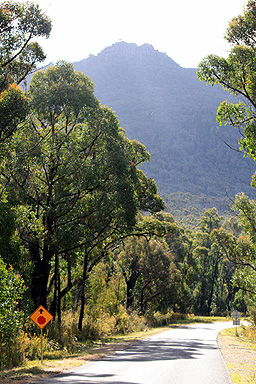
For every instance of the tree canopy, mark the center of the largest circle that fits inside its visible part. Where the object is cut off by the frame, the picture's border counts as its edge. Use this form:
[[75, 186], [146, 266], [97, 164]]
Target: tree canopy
[[20, 25], [73, 175], [236, 74]]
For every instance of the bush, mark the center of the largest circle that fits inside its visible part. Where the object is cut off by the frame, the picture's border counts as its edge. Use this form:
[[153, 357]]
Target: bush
[[158, 319], [67, 337], [131, 322], [11, 318], [63, 336], [12, 351], [253, 316]]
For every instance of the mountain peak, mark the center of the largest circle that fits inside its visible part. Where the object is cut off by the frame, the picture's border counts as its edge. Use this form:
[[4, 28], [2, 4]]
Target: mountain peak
[[123, 51]]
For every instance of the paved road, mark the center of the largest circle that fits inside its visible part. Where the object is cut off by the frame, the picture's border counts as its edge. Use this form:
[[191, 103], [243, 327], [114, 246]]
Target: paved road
[[186, 355]]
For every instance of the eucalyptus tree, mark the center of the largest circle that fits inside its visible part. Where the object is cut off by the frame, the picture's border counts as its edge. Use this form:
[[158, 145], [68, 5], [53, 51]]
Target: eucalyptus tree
[[179, 242], [158, 272], [214, 291], [236, 74], [241, 250], [145, 265], [74, 177], [20, 26]]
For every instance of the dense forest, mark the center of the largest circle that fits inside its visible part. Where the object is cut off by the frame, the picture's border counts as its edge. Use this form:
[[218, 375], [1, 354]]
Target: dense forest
[[83, 230]]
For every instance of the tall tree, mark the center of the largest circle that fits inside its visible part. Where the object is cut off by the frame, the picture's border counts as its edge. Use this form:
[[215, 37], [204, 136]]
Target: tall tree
[[20, 26], [145, 264], [241, 250], [74, 174], [236, 74], [213, 291]]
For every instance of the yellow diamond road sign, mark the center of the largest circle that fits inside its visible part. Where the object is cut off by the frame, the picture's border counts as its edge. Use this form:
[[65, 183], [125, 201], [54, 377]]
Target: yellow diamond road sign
[[41, 317]]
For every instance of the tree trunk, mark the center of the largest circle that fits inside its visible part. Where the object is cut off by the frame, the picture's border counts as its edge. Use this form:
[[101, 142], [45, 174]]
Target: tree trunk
[[54, 301], [58, 298], [130, 285], [82, 290], [41, 262], [40, 275], [142, 300], [213, 279]]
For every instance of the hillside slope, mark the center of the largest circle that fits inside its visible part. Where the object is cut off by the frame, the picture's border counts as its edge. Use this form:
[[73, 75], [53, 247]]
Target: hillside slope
[[173, 114]]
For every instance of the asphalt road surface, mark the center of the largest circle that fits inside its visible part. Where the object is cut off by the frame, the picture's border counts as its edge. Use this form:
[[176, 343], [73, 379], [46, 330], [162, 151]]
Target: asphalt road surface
[[186, 355]]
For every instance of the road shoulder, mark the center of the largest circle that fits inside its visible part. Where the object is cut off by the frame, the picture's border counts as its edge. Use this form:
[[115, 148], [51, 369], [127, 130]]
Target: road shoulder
[[239, 357]]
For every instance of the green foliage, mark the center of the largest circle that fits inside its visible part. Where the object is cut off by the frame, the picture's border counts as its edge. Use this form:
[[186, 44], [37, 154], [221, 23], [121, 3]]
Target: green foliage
[[76, 195], [9, 242], [60, 90], [236, 74], [11, 317], [146, 189], [159, 319], [20, 24], [241, 250], [241, 29], [210, 220], [12, 289], [213, 292], [13, 110], [74, 180], [105, 290], [148, 272]]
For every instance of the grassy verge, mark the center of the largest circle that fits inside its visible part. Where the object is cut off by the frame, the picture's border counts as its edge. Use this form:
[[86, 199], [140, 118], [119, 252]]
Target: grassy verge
[[239, 352], [56, 362]]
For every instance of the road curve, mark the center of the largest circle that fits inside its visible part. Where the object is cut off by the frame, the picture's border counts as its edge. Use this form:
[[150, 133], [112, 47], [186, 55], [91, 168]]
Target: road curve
[[185, 355]]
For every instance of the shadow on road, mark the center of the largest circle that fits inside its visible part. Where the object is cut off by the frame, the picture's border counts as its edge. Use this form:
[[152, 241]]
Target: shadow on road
[[148, 350], [81, 378]]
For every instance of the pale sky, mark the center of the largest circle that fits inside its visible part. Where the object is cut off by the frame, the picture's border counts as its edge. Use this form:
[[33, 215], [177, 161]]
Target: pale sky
[[186, 30]]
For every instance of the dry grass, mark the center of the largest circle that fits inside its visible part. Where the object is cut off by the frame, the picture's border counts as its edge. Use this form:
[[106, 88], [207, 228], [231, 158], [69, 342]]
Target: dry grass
[[33, 370]]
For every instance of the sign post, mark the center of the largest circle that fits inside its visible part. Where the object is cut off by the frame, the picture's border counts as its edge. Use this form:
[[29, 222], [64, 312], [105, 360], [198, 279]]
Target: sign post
[[236, 316], [41, 317]]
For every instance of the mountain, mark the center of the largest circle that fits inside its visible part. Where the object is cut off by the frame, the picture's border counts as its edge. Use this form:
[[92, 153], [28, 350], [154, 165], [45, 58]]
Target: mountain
[[165, 107]]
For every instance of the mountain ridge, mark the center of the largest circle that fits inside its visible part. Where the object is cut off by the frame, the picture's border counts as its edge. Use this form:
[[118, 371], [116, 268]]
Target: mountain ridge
[[173, 114]]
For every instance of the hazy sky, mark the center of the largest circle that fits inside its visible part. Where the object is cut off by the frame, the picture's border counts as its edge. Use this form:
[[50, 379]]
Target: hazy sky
[[186, 30]]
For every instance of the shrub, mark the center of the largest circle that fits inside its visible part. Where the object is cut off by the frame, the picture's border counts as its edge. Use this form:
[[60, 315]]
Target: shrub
[[11, 318], [12, 351], [129, 322], [158, 319]]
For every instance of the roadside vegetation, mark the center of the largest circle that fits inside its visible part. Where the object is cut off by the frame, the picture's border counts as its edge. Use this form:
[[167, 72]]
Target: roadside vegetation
[[76, 352]]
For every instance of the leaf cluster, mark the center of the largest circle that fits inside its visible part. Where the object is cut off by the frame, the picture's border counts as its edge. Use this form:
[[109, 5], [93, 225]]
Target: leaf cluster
[[12, 290], [19, 25]]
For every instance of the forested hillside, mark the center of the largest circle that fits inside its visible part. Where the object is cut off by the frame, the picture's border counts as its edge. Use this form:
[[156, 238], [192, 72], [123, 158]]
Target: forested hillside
[[169, 110]]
